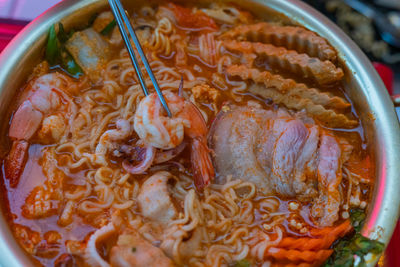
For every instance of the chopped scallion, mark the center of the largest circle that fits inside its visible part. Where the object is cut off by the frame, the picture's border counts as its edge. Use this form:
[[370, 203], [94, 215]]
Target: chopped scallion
[[108, 29], [56, 53]]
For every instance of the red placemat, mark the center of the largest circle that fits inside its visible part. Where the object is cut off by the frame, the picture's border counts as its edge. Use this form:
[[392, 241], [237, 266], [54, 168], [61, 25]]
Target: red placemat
[[393, 249], [8, 29]]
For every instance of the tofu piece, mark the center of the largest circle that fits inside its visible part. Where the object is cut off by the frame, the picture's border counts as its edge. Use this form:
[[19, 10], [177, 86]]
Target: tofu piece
[[90, 51]]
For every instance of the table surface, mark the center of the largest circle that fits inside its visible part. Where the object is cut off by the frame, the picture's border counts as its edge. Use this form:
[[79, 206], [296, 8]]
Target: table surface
[[24, 9]]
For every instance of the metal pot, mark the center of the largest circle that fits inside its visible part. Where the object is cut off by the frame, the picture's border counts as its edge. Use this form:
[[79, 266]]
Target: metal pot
[[364, 86]]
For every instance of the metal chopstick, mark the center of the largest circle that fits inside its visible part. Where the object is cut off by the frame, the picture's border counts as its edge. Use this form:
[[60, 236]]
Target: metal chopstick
[[121, 17]]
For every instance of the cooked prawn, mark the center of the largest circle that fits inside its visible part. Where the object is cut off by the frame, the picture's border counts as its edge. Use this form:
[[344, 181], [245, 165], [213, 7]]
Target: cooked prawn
[[46, 101], [160, 131]]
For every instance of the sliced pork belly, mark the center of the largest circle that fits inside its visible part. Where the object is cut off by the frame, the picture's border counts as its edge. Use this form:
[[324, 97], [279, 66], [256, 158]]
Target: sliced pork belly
[[306, 166], [235, 140], [282, 154], [329, 177]]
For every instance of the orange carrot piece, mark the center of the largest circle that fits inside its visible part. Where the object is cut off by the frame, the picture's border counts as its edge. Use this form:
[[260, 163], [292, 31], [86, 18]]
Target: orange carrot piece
[[297, 256], [186, 18], [280, 264], [339, 230], [323, 242]]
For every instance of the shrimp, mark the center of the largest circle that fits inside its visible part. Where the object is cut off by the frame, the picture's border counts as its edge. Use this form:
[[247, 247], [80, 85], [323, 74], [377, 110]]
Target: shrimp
[[186, 18], [46, 101], [160, 131]]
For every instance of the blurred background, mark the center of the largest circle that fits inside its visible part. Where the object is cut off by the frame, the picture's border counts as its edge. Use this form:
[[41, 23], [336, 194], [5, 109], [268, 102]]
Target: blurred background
[[14, 14], [24, 9], [373, 24]]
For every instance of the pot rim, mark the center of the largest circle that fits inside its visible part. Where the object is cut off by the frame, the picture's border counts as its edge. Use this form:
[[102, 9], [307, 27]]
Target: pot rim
[[384, 208]]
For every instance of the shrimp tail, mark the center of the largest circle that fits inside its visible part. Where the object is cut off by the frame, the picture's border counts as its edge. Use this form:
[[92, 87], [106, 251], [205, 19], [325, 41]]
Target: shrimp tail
[[169, 154], [15, 161], [203, 170]]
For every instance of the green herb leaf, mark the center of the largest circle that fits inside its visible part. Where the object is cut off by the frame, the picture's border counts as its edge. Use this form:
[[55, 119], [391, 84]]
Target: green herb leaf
[[108, 29], [242, 263], [69, 64], [346, 249], [357, 217], [133, 249], [52, 48], [362, 245], [62, 35], [56, 53]]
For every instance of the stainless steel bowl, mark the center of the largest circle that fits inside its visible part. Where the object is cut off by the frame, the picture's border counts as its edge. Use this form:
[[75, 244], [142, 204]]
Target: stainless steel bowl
[[364, 86]]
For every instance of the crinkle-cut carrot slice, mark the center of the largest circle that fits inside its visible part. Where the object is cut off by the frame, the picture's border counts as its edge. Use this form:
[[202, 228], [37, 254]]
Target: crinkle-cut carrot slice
[[322, 242], [297, 256], [281, 264], [340, 230]]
